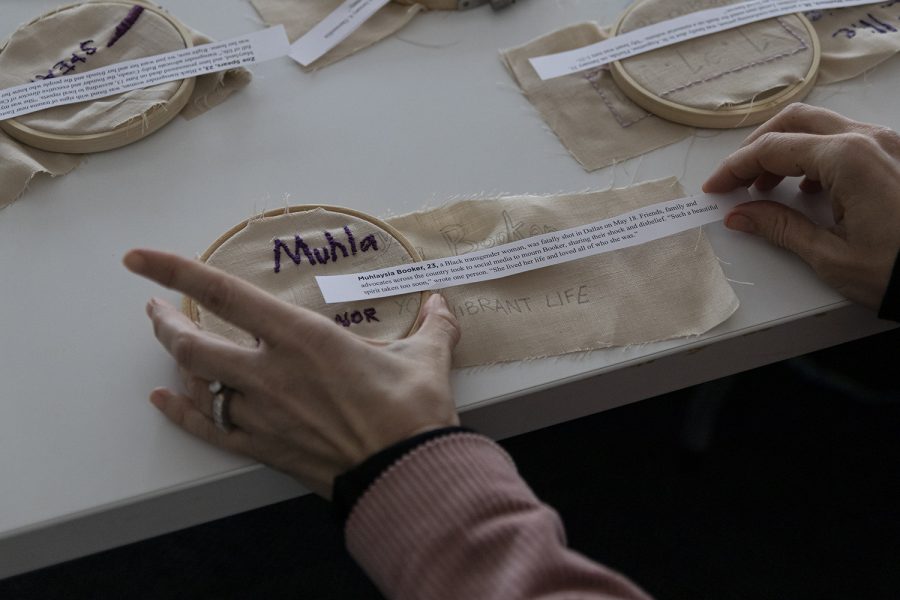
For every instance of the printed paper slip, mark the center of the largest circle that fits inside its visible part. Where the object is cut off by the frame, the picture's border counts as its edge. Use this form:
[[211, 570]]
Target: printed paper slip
[[673, 31], [333, 29], [140, 73], [623, 231]]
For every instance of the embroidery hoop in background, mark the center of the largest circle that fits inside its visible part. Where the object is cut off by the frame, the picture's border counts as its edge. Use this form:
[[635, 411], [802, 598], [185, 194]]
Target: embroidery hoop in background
[[132, 130], [191, 309], [738, 115]]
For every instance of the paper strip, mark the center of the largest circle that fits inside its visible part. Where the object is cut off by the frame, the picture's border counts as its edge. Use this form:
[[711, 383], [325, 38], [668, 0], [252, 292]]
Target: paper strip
[[629, 229], [333, 29], [252, 48], [673, 31]]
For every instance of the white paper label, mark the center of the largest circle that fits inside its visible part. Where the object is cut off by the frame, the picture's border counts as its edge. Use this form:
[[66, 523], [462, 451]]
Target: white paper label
[[673, 31], [333, 29], [139, 73], [623, 231]]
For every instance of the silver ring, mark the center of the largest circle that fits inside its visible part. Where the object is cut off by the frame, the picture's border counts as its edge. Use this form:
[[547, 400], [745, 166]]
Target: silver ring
[[221, 400]]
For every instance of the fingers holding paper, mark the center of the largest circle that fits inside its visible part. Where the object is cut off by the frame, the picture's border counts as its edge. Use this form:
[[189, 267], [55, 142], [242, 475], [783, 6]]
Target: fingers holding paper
[[821, 145], [856, 164], [803, 118]]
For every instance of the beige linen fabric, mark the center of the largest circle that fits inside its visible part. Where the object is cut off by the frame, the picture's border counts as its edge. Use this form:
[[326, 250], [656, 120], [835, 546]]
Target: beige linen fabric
[[288, 271], [856, 39], [36, 47], [299, 16], [587, 111], [672, 287], [214, 88], [668, 288], [723, 69], [20, 163]]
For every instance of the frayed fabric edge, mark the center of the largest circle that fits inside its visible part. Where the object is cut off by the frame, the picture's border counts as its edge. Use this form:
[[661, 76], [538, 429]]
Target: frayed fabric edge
[[672, 181], [43, 172]]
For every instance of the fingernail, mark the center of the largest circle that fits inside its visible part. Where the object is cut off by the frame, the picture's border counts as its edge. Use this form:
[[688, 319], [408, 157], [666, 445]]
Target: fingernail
[[134, 261], [740, 222], [159, 397], [438, 301], [152, 305]]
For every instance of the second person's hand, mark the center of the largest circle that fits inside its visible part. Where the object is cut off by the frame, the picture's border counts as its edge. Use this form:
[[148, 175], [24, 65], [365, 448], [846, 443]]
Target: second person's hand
[[857, 164]]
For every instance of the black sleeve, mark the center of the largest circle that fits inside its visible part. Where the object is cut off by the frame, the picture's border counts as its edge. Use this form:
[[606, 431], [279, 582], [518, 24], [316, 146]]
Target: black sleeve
[[350, 486], [890, 305]]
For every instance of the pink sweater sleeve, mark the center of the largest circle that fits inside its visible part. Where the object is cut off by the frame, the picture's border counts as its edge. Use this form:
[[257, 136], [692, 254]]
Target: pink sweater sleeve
[[452, 519]]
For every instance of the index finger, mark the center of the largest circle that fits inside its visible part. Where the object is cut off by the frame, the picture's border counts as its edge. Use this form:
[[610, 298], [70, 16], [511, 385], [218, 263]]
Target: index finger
[[803, 118], [783, 154], [231, 298]]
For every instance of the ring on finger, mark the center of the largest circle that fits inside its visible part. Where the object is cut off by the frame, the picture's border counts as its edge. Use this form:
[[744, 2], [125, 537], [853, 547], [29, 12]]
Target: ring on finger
[[220, 405]]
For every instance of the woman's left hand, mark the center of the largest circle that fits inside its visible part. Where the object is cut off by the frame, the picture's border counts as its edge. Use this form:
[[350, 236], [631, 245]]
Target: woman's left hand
[[312, 400]]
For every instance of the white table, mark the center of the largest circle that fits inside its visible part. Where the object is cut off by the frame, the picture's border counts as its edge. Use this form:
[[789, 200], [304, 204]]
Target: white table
[[86, 463]]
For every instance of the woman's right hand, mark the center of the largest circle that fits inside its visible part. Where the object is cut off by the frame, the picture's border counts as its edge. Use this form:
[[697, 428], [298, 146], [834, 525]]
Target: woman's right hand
[[857, 164]]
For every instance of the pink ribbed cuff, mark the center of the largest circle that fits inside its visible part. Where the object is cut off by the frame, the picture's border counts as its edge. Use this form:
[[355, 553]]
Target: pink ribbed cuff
[[453, 519]]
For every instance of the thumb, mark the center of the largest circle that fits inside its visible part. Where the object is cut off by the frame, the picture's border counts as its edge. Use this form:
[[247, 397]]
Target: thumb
[[786, 228], [439, 328]]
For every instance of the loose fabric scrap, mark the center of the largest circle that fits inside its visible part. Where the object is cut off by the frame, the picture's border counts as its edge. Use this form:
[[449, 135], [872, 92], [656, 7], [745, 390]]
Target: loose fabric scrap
[[668, 288], [299, 16], [20, 163], [592, 118]]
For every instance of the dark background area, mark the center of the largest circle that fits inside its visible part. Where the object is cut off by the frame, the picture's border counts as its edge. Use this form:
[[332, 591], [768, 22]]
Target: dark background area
[[781, 482]]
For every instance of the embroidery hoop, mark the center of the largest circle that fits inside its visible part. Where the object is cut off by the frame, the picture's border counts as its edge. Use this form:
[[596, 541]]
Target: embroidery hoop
[[189, 306], [136, 128], [742, 115]]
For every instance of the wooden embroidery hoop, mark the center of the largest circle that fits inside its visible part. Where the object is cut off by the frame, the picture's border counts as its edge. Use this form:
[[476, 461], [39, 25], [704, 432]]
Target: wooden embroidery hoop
[[741, 115], [128, 132], [189, 306]]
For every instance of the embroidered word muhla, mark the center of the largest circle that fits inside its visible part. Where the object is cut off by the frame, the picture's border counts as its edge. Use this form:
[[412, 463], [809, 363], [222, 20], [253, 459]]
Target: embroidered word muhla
[[321, 256]]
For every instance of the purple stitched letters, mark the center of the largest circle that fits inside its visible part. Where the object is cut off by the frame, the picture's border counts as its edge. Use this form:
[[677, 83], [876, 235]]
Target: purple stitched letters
[[125, 24], [321, 256], [67, 65], [875, 21]]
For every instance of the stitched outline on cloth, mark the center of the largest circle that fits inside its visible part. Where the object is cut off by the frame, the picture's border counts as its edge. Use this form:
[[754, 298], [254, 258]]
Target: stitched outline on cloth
[[593, 77], [803, 46]]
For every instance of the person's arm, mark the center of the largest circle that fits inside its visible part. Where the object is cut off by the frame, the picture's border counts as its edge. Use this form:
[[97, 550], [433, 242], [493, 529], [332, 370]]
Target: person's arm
[[858, 166], [452, 519], [433, 516]]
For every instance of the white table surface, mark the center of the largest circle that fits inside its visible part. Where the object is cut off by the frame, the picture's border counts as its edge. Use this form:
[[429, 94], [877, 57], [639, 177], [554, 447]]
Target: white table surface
[[86, 463]]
